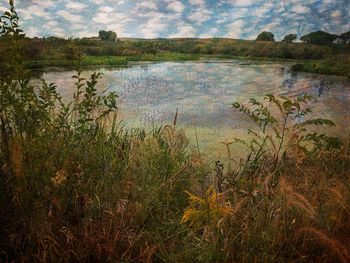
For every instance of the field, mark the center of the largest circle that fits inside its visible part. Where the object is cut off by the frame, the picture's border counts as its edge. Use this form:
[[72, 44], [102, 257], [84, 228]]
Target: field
[[53, 51]]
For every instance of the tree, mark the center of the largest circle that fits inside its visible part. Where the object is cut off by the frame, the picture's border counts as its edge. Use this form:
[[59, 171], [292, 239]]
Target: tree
[[265, 36], [107, 35], [289, 38], [345, 37], [319, 38]]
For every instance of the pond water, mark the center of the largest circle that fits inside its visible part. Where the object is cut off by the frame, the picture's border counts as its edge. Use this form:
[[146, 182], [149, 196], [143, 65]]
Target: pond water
[[203, 93]]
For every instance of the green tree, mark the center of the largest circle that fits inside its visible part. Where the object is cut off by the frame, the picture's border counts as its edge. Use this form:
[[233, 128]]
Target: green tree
[[289, 38], [265, 36], [345, 37], [319, 38], [107, 35]]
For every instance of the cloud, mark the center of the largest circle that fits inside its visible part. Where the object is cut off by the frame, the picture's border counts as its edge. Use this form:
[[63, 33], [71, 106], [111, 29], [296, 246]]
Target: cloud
[[235, 29], [106, 9], [40, 3], [197, 2], [104, 15], [32, 11], [75, 6], [51, 25], [271, 26], [176, 6], [209, 34], [152, 27], [199, 15], [69, 16], [300, 9], [3, 9], [148, 5], [182, 18], [32, 32], [336, 14], [107, 18], [184, 30], [263, 9], [242, 2]]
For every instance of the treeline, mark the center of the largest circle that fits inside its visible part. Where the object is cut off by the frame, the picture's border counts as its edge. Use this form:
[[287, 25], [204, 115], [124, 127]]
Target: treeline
[[317, 38], [58, 48]]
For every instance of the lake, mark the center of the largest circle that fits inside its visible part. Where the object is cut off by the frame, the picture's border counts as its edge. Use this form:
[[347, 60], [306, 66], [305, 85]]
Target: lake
[[203, 93]]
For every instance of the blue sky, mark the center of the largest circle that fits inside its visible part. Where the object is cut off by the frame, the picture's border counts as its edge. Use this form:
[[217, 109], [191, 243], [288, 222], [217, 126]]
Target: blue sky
[[181, 18]]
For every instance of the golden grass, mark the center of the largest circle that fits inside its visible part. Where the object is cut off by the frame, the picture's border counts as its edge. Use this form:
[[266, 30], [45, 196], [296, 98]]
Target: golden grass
[[334, 246]]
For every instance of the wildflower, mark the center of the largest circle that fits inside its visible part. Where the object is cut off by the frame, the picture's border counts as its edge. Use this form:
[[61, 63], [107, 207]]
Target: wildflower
[[212, 208], [60, 178]]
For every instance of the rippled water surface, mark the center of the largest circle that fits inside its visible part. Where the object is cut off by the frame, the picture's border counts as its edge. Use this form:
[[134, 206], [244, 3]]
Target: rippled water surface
[[203, 94]]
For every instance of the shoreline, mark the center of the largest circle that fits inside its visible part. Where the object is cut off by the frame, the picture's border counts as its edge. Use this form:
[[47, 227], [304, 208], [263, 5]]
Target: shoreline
[[309, 66]]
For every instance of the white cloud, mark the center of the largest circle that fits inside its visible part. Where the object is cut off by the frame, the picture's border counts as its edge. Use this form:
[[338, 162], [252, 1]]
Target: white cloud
[[119, 28], [59, 32], [53, 28], [184, 30], [197, 2], [261, 10], [77, 26], [84, 34], [235, 29], [152, 27], [106, 9], [336, 14], [75, 6], [211, 33], [242, 2], [148, 5], [300, 9], [33, 10], [109, 19], [43, 4], [200, 15], [98, 2], [3, 9], [176, 6], [273, 26], [154, 18], [51, 24], [32, 32], [69, 17], [104, 15]]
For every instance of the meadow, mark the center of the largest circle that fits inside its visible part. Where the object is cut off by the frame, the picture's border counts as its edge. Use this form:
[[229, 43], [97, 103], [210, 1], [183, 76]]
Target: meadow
[[54, 51], [76, 186]]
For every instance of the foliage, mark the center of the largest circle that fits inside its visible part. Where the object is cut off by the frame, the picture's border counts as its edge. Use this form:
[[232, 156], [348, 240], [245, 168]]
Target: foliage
[[319, 38], [345, 37], [207, 210], [287, 134], [290, 38], [61, 52], [265, 36], [278, 201], [107, 35], [329, 67]]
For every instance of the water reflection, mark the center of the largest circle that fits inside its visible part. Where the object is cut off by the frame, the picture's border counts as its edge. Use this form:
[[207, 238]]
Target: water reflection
[[203, 92]]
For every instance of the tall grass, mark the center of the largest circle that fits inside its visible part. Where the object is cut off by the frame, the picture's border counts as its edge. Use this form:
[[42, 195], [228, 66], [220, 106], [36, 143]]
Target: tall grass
[[78, 187]]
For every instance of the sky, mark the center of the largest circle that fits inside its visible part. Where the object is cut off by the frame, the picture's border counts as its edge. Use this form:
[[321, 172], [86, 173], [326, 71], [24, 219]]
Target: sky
[[242, 19]]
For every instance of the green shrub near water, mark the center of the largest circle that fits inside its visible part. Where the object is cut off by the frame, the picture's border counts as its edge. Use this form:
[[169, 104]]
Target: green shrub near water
[[329, 67], [77, 187], [91, 61]]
